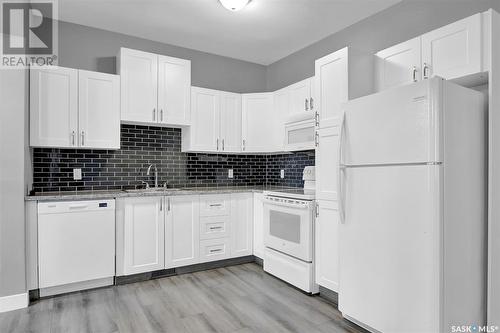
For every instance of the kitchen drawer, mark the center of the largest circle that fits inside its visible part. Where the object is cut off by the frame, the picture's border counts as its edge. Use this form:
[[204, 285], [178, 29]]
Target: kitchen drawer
[[214, 227], [215, 205], [214, 249]]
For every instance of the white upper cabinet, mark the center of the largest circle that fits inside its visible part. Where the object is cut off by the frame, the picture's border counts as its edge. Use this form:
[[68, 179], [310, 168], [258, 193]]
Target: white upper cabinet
[[182, 231], [230, 122], [454, 50], [72, 108], [155, 88], [140, 227], [174, 84], [99, 110], [301, 96], [215, 122], [139, 86], [458, 51], [54, 107], [262, 128], [399, 64], [241, 224]]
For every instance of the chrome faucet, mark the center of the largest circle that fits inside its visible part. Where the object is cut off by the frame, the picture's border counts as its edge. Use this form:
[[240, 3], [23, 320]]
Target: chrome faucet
[[156, 173]]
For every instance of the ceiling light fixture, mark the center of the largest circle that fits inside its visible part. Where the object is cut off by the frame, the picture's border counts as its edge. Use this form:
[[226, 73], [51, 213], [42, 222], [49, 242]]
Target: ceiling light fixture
[[234, 5]]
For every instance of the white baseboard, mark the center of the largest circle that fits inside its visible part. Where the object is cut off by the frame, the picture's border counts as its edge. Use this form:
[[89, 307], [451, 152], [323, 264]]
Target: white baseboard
[[14, 302]]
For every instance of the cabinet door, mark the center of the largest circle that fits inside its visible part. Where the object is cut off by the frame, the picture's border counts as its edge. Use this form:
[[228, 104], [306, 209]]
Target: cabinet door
[[262, 131], [398, 65], [205, 106], [182, 231], [258, 225], [327, 163], [99, 110], [241, 224], [300, 94], [214, 249], [331, 87], [282, 105], [174, 90], [139, 86], [143, 223], [215, 205], [54, 107], [327, 245], [454, 50], [230, 122]]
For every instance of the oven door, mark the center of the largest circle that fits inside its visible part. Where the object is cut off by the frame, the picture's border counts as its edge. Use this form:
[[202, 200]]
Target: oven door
[[288, 226]]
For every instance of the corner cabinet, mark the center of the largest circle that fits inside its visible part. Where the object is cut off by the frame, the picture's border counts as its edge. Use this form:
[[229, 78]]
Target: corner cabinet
[[155, 88], [241, 224], [72, 108], [216, 122], [140, 239]]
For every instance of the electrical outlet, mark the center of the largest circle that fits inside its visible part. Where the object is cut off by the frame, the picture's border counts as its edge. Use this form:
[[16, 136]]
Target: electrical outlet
[[77, 174], [282, 173], [230, 173]]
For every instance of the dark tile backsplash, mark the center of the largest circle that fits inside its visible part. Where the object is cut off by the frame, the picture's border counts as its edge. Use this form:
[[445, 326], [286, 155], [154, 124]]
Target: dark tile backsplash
[[142, 145]]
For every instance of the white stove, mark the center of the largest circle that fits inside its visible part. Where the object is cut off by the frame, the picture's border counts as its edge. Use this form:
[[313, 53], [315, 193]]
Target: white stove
[[289, 233]]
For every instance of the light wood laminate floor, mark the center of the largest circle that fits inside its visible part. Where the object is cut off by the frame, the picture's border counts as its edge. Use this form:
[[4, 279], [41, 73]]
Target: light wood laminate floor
[[233, 299]]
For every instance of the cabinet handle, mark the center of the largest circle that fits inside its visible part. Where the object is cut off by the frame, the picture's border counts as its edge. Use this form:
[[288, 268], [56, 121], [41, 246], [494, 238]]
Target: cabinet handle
[[215, 250], [168, 202], [161, 114], [426, 69], [161, 204], [223, 145], [215, 205], [311, 100], [316, 139], [316, 119], [154, 114], [307, 104], [414, 73], [244, 145], [317, 210], [83, 138], [215, 228], [217, 143], [73, 138]]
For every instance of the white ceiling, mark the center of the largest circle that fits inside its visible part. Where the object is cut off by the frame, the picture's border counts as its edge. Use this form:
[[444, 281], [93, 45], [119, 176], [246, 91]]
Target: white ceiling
[[263, 32]]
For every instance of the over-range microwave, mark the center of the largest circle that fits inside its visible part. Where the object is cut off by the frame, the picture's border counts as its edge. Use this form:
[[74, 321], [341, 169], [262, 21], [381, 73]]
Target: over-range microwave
[[300, 135]]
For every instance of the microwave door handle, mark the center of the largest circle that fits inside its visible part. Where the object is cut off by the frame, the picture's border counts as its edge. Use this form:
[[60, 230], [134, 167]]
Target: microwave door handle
[[340, 171]]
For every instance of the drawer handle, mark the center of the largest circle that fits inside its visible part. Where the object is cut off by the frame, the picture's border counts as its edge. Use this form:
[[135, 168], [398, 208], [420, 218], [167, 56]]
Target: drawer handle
[[215, 205], [78, 206], [215, 250], [215, 228]]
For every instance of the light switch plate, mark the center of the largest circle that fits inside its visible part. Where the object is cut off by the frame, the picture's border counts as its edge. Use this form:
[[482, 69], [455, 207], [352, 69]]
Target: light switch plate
[[77, 174], [230, 173], [282, 173]]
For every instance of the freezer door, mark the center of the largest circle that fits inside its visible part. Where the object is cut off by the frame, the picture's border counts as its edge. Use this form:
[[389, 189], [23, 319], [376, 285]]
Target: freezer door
[[397, 125], [390, 248]]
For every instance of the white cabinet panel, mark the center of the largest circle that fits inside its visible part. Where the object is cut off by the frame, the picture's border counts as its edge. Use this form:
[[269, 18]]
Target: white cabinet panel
[[214, 249], [327, 156], [99, 110], [203, 135], [300, 96], [262, 129], [214, 227], [230, 122], [258, 225], [182, 246], [241, 224], [327, 245], [54, 107], [139, 86], [399, 64], [140, 235], [454, 50], [282, 105], [174, 86], [215, 205]]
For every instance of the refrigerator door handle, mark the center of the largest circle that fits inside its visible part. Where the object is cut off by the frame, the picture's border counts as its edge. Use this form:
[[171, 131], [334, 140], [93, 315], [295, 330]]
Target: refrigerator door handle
[[340, 174]]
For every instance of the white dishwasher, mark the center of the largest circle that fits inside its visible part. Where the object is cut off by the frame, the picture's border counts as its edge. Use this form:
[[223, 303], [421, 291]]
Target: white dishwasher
[[76, 245]]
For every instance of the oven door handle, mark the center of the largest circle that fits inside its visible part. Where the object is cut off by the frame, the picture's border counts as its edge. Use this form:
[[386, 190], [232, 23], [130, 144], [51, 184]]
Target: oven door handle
[[284, 204]]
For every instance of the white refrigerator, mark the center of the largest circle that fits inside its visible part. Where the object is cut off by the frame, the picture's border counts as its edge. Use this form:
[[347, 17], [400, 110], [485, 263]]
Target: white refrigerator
[[412, 205]]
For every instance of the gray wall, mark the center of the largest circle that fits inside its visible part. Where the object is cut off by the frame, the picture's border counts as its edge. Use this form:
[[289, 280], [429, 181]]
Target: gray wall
[[396, 24], [95, 49], [13, 108]]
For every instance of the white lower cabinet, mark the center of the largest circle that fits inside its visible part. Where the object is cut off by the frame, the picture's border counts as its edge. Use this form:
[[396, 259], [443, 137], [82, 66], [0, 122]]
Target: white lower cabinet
[[214, 249], [258, 225], [241, 224], [327, 245], [182, 231], [140, 224]]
